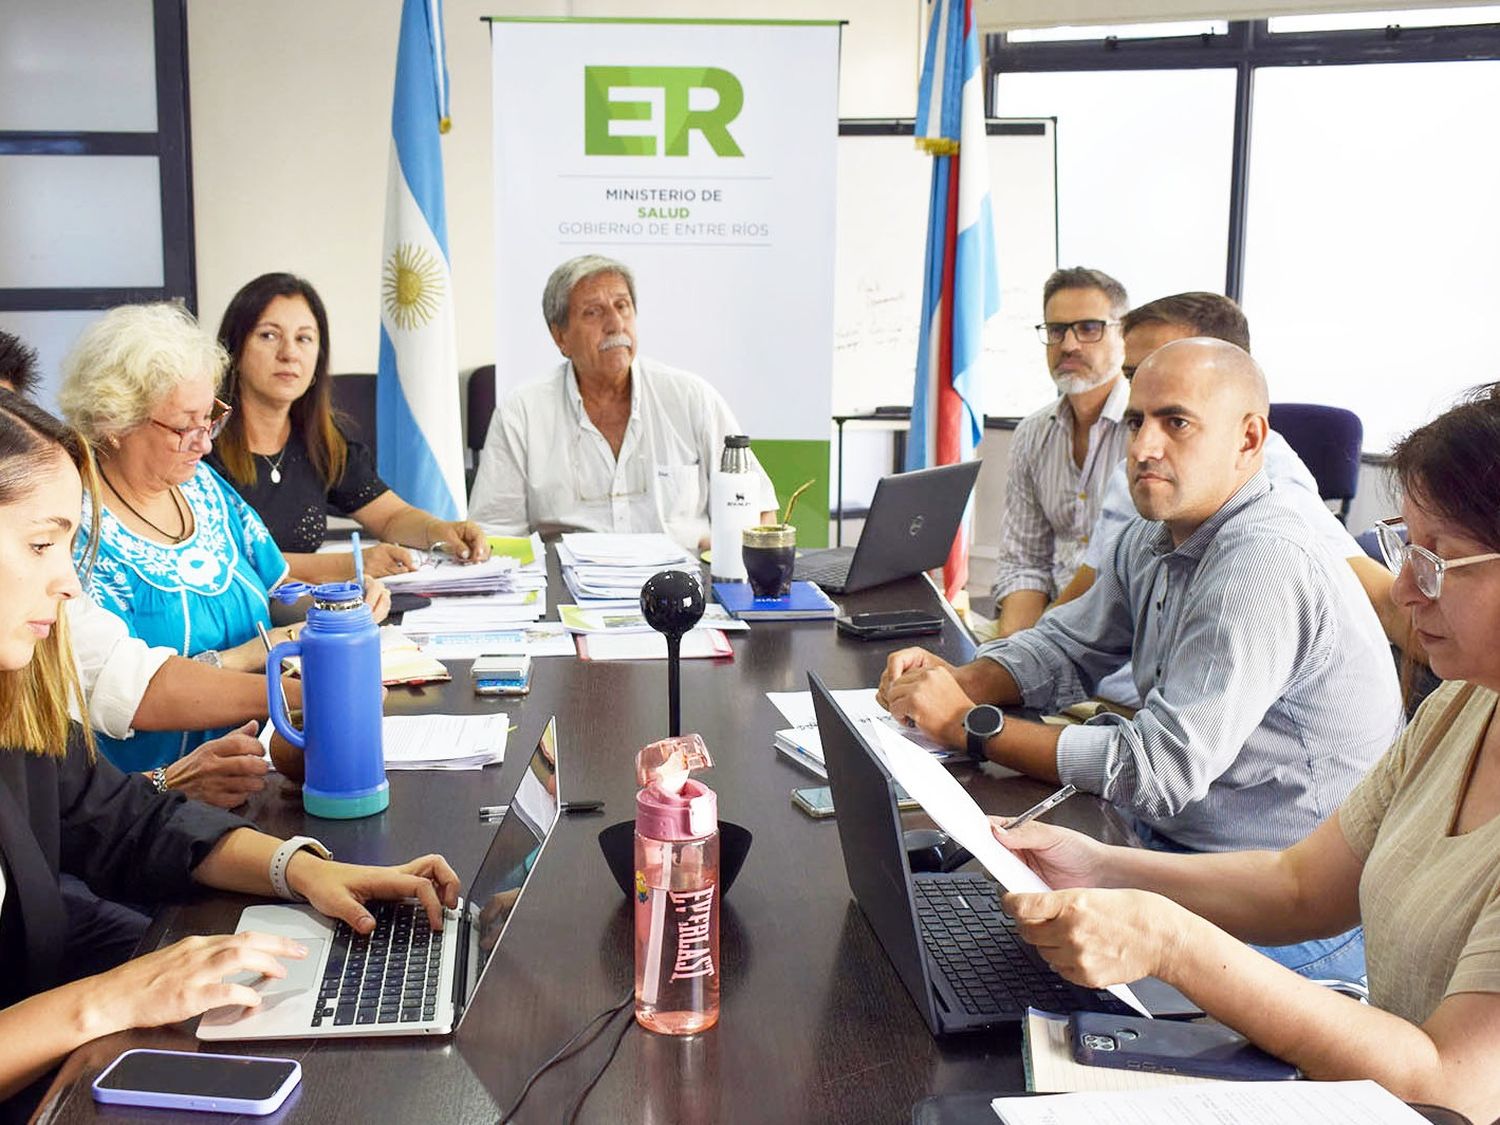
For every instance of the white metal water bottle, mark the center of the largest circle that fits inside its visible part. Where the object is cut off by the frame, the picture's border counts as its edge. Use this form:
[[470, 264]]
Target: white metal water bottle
[[734, 504]]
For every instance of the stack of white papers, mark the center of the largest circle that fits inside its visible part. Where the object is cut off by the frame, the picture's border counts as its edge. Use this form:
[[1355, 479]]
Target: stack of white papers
[[604, 568], [476, 612], [444, 742], [859, 704], [625, 619], [500, 614], [538, 638], [443, 574], [697, 644], [515, 566]]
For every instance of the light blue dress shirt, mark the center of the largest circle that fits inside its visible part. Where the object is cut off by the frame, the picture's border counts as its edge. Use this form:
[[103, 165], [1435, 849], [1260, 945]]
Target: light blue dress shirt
[[1268, 685]]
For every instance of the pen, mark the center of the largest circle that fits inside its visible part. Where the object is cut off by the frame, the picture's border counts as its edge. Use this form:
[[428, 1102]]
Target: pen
[[265, 639], [583, 806], [492, 812], [1040, 807], [359, 562]]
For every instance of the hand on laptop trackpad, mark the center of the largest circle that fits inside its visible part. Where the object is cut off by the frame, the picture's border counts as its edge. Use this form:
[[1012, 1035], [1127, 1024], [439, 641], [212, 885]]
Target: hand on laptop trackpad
[[300, 980]]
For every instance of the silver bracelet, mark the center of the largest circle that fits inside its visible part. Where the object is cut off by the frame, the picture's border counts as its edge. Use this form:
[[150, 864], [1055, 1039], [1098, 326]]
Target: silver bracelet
[[210, 657], [283, 857], [158, 778]]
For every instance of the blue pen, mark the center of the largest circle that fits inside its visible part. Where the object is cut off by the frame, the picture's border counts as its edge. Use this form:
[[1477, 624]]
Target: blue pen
[[359, 562]]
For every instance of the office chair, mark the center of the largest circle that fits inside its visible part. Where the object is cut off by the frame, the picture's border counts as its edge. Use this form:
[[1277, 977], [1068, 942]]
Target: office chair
[[1328, 439], [480, 405], [354, 399]]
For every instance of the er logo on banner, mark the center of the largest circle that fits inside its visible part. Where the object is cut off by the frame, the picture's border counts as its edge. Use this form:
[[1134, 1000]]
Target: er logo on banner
[[652, 110]]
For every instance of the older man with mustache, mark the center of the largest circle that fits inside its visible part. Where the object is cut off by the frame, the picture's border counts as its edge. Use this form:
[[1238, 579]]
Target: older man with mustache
[[611, 441]]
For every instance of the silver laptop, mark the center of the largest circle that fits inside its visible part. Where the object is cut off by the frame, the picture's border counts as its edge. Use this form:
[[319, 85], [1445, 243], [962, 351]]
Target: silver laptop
[[913, 519], [403, 979]]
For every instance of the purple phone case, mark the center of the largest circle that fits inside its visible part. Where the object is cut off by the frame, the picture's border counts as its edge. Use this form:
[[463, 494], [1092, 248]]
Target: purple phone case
[[209, 1103]]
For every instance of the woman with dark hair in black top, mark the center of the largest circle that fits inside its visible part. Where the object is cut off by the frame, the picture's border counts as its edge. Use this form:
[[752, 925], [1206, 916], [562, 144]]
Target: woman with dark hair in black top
[[282, 448]]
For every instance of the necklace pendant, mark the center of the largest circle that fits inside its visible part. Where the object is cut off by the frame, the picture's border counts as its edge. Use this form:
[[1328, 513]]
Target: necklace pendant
[[275, 475]]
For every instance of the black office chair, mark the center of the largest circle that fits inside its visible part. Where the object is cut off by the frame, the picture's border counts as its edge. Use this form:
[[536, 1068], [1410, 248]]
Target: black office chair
[[354, 399], [1328, 439], [480, 404]]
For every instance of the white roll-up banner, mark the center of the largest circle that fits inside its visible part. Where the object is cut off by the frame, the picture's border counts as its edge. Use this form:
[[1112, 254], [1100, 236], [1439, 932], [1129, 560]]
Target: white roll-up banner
[[703, 156]]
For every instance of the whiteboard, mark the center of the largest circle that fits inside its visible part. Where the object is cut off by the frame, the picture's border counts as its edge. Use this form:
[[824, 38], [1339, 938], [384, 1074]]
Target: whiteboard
[[883, 186]]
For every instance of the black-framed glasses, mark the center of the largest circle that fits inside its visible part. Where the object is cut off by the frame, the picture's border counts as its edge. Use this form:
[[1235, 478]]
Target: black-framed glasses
[[192, 435], [1084, 331], [1426, 568]]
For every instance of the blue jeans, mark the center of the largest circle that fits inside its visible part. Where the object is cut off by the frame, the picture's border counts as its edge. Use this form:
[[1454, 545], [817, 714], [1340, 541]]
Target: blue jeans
[[1341, 957]]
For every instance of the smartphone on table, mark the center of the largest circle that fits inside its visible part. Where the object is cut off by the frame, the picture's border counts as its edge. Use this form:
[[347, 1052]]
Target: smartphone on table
[[884, 626], [1202, 1050], [194, 1080], [817, 802], [502, 674]]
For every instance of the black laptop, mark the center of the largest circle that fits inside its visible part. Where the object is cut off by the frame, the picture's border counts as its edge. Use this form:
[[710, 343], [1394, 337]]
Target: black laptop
[[913, 519], [955, 950]]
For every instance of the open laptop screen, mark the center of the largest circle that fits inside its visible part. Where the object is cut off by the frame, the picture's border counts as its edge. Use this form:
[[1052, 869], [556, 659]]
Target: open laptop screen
[[513, 853]]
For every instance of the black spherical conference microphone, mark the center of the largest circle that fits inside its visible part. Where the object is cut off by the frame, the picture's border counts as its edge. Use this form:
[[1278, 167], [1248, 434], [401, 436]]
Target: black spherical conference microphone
[[672, 603]]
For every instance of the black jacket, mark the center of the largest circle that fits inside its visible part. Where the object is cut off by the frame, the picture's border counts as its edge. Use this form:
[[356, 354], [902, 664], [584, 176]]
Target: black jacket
[[112, 830]]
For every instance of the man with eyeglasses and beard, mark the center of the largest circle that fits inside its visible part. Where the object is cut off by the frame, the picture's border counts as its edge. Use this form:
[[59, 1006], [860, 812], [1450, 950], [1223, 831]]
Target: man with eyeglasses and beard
[[611, 441], [1061, 456]]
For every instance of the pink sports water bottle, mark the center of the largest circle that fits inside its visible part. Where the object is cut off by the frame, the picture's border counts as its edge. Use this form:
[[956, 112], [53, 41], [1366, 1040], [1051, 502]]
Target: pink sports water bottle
[[676, 890]]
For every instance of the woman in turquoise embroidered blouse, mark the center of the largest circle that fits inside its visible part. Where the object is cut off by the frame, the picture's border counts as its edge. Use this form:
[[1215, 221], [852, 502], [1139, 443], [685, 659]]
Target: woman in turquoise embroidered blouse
[[181, 558]]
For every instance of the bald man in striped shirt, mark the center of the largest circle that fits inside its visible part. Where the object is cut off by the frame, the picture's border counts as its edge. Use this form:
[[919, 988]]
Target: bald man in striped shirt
[[1268, 687]]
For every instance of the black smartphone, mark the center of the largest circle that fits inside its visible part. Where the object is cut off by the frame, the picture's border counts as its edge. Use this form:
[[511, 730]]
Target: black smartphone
[[191, 1080], [883, 626], [1203, 1050]]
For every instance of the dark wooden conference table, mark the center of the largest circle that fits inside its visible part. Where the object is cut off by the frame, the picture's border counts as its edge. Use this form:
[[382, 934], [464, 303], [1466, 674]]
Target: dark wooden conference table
[[815, 1024]]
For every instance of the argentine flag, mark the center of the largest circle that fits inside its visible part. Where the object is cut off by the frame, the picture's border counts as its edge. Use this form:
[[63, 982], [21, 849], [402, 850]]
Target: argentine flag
[[961, 286], [419, 441]]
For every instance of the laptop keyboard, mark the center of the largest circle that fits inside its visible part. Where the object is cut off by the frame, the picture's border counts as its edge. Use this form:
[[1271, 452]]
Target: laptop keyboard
[[825, 571], [389, 976], [975, 944]]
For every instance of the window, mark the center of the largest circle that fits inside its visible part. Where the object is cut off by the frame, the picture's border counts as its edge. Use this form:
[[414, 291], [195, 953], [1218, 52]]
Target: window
[[1356, 224], [1370, 247], [94, 166], [1157, 225]]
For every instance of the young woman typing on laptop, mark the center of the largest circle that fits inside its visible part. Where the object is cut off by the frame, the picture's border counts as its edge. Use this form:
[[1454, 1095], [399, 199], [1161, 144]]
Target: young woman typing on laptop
[[1413, 853], [64, 808]]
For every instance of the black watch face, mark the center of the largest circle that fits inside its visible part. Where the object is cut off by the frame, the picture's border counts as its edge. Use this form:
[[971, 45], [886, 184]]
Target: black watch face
[[984, 721]]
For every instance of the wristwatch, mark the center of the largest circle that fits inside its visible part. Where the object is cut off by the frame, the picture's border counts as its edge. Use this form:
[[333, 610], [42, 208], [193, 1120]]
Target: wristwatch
[[981, 724], [283, 858]]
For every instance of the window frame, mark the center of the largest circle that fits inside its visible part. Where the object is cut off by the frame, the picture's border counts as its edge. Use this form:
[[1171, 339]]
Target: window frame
[[1245, 48], [171, 144]]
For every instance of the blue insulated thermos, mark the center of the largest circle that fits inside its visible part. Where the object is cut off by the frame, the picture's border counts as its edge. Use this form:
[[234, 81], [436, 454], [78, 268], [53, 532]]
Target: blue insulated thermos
[[341, 705]]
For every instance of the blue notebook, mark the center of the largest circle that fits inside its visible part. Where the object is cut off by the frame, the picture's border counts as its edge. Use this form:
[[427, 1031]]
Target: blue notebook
[[804, 602]]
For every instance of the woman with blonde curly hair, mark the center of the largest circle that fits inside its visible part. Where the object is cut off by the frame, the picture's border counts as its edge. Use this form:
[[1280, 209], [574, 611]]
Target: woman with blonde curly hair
[[180, 557]]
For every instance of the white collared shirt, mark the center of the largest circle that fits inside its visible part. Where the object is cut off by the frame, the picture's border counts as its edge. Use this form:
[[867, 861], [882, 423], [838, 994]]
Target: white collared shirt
[[114, 667], [546, 467]]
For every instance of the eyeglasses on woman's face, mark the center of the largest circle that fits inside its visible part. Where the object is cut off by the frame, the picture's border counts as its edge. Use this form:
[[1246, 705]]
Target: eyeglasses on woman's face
[[1427, 569], [189, 436]]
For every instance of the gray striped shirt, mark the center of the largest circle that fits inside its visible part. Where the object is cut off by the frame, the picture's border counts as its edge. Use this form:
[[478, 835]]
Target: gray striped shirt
[[1050, 503], [1269, 687]]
